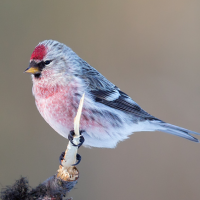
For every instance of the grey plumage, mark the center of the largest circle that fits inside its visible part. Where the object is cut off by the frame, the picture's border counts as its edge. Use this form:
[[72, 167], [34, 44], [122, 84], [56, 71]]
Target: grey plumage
[[109, 115], [102, 90]]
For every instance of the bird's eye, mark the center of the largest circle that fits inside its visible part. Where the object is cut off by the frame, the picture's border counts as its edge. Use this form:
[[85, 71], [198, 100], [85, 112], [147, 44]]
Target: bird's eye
[[47, 62]]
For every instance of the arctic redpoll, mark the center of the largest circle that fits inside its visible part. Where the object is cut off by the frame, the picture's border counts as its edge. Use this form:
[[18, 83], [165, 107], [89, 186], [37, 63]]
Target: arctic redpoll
[[60, 77]]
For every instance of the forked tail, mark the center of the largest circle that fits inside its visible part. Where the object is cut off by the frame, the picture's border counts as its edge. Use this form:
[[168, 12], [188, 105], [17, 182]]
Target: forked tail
[[176, 130]]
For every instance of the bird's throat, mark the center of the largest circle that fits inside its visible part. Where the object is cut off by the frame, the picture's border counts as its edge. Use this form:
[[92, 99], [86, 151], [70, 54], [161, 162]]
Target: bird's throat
[[37, 75]]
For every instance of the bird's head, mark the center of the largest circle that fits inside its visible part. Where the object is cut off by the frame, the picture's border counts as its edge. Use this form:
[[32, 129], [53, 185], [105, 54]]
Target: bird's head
[[49, 59]]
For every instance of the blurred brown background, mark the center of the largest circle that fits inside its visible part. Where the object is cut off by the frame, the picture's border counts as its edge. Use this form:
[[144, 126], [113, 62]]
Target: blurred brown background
[[148, 48]]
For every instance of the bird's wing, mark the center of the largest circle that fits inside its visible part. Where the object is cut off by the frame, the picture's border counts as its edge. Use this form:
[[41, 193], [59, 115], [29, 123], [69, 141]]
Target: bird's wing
[[123, 102], [105, 92]]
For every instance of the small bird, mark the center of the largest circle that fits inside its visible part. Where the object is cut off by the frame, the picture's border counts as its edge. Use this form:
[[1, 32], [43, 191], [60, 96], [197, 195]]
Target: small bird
[[60, 77]]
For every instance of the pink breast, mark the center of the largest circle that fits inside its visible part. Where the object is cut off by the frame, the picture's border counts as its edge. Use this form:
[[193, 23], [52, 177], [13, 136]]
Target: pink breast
[[58, 106]]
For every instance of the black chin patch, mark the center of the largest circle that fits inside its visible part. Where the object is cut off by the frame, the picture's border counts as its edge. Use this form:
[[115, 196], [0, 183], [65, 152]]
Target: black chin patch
[[37, 75]]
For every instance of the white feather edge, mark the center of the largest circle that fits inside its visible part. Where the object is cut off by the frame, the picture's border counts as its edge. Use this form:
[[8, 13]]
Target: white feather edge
[[113, 96]]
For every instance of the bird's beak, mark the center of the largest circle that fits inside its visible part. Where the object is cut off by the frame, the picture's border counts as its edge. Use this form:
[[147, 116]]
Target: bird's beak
[[33, 68]]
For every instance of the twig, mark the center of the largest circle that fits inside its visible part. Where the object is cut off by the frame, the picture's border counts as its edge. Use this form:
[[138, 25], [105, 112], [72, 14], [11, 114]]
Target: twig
[[56, 186], [67, 171]]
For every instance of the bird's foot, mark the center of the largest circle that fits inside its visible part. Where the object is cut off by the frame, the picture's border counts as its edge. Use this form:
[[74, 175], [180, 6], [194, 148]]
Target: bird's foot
[[78, 158], [61, 158], [71, 137]]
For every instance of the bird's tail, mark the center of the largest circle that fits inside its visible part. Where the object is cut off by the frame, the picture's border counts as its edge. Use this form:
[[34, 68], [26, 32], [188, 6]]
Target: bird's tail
[[179, 131]]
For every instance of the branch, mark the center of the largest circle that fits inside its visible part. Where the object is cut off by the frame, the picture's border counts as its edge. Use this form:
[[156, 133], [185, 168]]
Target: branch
[[57, 186]]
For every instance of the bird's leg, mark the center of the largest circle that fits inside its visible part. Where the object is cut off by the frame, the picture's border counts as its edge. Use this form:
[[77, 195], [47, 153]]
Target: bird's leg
[[61, 158], [78, 158], [71, 137]]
